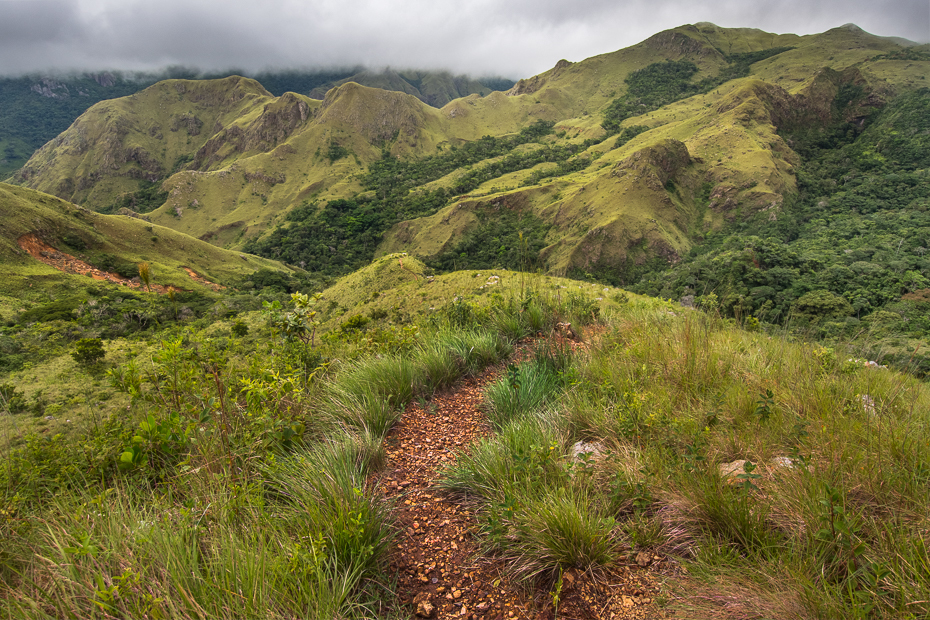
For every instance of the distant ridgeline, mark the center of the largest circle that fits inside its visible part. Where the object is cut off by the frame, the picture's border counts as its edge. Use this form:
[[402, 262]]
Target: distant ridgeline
[[36, 108]]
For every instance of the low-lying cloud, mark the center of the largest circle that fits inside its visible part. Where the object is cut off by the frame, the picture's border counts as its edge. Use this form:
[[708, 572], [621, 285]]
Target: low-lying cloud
[[513, 38]]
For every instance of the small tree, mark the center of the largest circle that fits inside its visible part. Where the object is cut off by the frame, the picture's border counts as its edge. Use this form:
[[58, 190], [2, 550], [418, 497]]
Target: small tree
[[299, 324], [88, 352], [145, 274]]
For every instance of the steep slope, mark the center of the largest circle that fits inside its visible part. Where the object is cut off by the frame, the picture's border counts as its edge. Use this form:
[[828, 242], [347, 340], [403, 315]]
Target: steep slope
[[143, 137], [31, 220], [36, 108]]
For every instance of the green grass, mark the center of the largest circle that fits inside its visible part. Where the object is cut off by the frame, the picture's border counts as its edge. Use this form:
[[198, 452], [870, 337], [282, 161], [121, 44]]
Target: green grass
[[817, 526]]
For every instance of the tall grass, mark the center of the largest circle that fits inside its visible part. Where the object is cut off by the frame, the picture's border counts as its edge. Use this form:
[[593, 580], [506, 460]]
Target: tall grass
[[831, 505], [305, 538], [523, 390]]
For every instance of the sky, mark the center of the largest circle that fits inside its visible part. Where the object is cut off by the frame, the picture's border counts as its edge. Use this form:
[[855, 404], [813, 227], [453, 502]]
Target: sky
[[481, 38]]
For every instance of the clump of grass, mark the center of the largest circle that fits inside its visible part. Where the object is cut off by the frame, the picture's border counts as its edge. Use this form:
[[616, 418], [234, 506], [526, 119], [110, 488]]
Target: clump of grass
[[523, 390], [441, 366], [395, 379], [477, 349], [364, 410], [522, 459], [560, 530]]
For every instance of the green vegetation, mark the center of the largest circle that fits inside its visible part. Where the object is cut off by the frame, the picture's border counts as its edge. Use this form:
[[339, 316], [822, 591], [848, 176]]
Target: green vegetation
[[149, 197], [36, 109], [769, 468], [503, 238], [209, 452], [342, 235], [662, 83], [147, 510], [88, 351], [848, 257]]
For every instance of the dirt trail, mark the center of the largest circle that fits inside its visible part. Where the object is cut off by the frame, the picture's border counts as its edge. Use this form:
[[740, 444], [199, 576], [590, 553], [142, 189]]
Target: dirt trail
[[67, 263], [440, 572]]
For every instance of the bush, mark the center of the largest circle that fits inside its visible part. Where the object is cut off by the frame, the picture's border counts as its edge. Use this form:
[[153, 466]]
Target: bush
[[88, 351]]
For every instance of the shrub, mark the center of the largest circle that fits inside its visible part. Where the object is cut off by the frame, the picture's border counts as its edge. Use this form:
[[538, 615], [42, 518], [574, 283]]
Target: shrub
[[88, 351]]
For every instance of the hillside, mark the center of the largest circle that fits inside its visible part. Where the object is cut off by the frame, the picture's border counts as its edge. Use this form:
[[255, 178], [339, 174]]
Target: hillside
[[63, 235], [36, 108], [652, 147], [474, 440]]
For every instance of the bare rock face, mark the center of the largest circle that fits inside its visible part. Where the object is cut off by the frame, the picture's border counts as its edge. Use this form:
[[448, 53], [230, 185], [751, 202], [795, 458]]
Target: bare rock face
[[51, 89], [277, 122], [105, 79]]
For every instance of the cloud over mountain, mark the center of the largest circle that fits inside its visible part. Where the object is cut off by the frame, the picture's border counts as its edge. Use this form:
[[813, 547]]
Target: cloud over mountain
[[516, 38]]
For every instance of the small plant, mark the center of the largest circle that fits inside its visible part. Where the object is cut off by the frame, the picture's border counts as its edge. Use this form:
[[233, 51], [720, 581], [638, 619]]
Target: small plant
[[12, 399], [427, 407], [765, 406], [299, 324], [748, 476], [556, 595], [513, 377], [840, 547], [145, 275]]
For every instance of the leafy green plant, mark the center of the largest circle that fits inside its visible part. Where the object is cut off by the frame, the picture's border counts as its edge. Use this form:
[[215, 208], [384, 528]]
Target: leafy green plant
[[748, 477], [300, 323], [765, 405], [840, 547], [88, 352]]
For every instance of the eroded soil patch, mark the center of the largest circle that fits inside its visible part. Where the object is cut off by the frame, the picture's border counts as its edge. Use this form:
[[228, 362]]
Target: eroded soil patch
[[67, 263]]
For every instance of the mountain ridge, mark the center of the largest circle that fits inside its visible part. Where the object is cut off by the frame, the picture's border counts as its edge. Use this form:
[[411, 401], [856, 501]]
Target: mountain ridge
[[736, 91]]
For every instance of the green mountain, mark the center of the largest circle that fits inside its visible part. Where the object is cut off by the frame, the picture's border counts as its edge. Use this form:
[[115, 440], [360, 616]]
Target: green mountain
[[33, 222], [639, 153], [36, 108]]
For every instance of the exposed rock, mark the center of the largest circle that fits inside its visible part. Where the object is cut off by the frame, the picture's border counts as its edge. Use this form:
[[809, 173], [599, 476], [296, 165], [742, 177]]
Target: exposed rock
[[51, 89], [277, 122], [425, 608], [105, 79], [595, 450]]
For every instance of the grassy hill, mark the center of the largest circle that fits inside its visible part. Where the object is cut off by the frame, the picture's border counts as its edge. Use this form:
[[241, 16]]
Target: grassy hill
[[36, 108], [754, 473], [105, 239]]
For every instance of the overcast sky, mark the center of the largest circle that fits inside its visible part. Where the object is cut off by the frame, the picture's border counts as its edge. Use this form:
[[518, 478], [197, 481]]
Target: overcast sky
[[510, 38]]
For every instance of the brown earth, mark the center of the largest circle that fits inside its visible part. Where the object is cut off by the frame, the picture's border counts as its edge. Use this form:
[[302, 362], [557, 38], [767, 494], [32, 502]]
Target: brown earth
[[440, 570], [67, 263]]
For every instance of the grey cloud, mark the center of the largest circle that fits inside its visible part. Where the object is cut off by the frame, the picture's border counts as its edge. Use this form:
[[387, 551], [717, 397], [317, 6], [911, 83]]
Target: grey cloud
[[510, 37]]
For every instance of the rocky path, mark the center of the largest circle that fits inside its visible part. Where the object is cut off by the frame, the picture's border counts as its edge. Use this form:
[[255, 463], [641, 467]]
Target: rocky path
[[440, 572]]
